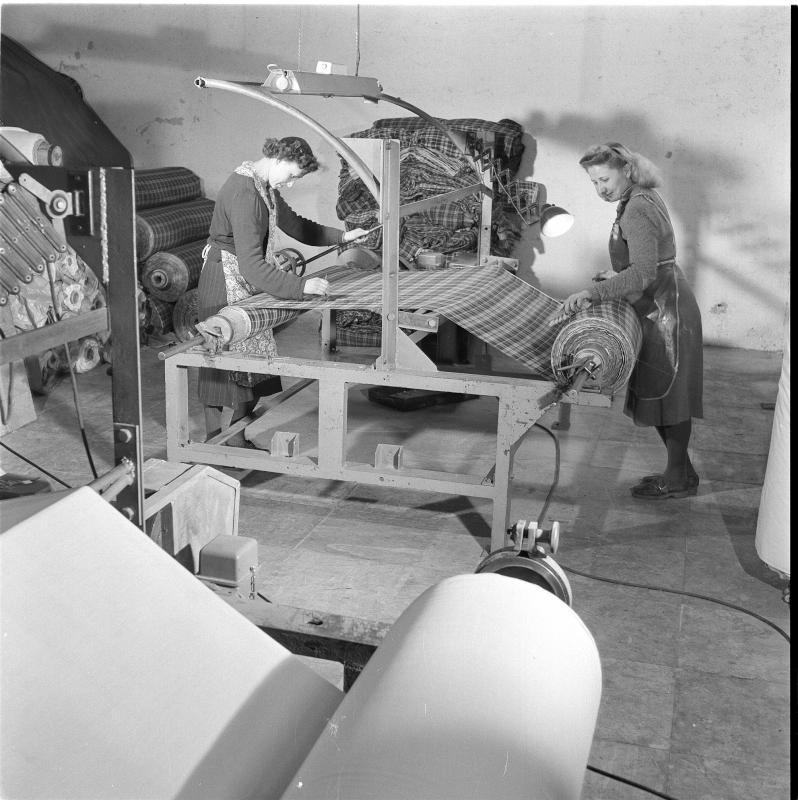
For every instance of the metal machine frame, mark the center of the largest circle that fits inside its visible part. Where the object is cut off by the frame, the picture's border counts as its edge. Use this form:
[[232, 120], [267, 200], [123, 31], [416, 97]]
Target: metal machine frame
[[95, 211], [521, 401]]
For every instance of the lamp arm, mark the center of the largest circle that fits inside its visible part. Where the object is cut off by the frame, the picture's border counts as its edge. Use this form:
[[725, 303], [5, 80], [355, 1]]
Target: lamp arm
[[349, 155]]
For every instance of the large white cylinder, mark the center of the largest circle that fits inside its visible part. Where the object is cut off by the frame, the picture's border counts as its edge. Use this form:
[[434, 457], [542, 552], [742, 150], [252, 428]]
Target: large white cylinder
[[486, 687], [773, 524]]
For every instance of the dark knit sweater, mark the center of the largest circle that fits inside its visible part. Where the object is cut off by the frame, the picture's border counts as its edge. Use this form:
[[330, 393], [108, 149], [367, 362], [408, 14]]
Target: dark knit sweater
[[240, 225], [645, 238]]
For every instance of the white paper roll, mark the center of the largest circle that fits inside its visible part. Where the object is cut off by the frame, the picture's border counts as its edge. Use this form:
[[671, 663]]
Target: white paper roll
[[773, 524]]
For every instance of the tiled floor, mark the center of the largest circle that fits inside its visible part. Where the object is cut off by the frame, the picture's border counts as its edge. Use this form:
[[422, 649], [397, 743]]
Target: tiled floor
[[696, 696]]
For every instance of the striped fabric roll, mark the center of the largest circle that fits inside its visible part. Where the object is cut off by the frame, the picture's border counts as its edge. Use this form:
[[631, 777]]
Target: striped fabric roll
[[185, 315], [608, 332], [164, 186], [167, 227], [489, 302], [169, 274], [158, 316]]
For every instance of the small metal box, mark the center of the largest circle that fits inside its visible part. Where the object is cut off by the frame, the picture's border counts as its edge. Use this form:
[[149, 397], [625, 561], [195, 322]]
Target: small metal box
[[228, 560]]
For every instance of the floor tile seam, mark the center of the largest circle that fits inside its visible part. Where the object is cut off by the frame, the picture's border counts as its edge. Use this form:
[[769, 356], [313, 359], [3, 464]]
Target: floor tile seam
[[679, 669], [616, 740], [314, 527]]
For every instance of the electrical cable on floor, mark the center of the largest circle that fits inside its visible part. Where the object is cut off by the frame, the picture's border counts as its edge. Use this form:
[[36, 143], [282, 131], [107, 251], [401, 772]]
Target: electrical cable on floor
[[34, 465], [649, 587], [630, 783]]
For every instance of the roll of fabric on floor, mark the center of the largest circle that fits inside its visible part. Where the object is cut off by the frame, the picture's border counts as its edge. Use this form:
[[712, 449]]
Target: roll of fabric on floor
[[166, 227], [164, 186], [168, 274], [158, 316], [185, 315]]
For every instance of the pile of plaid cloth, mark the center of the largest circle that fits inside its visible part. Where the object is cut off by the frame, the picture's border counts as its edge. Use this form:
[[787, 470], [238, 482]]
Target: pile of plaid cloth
[[431, 164]]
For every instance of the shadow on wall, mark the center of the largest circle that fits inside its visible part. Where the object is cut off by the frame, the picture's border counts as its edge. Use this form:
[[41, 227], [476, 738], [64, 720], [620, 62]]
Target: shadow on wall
[[693, 174]]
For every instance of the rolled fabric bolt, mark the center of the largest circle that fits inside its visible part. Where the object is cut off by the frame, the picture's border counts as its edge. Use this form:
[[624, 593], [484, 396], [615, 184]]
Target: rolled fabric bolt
[[166, 227], [185, 315], [611, 333], [158, 316], [163, 186], [169, 274]]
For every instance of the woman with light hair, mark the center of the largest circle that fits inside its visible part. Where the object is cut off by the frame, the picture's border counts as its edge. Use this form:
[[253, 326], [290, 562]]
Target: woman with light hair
[[666, 386]]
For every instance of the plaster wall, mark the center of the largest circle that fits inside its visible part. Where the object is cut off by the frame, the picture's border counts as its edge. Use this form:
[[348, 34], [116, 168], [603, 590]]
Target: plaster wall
[[702, 91]]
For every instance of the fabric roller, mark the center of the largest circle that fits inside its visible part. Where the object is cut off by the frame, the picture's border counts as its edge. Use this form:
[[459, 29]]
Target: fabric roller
[[165, 185], [488, 301], [168, 274], [165, 227], [609, 335]]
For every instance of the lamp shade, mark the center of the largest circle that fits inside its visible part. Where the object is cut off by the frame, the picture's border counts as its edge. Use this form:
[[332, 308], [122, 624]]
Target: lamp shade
[[555, 221]]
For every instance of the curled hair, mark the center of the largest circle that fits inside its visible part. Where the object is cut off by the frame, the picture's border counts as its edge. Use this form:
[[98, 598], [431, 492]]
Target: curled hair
[[642, 171], [293, 149]]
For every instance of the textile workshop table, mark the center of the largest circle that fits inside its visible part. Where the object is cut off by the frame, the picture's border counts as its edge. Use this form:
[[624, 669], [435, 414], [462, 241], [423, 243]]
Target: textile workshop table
[[489, 302]]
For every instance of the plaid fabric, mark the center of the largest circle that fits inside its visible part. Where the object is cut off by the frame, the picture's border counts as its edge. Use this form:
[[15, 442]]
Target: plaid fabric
[[164, 186], [168, 274], [487, 301], [610, 330], [157, 316], [359, 336], [185, 315], [430, 164], [169, 226]]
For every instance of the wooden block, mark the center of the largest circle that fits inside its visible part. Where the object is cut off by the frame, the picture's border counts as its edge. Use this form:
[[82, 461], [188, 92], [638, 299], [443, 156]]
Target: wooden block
[[285, 444], [388, 456]]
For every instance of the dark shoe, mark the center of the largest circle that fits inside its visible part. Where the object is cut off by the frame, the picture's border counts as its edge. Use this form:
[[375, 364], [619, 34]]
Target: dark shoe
[[692, 480], [659, 490]]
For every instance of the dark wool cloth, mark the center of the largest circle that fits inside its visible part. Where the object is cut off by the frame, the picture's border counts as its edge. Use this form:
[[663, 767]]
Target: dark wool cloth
[[240, 225], [666, 386]]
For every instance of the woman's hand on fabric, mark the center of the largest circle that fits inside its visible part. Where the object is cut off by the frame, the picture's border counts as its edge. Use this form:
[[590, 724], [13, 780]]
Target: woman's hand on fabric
[[577, 301], [355, 233], [316, 286], [604, 275]]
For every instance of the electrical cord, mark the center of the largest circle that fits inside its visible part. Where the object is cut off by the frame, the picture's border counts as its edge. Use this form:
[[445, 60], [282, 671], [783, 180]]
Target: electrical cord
[[631, 783], [542, 516], [650, 587], [34, 465]]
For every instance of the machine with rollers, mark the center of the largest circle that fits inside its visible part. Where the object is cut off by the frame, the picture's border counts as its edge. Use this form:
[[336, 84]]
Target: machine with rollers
[[513, 316]]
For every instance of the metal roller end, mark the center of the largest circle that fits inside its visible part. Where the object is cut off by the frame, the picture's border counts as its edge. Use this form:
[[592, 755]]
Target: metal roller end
[[199, 82]]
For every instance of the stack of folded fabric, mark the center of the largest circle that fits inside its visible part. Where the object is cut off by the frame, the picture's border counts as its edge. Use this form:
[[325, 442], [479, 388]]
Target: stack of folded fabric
[[172, 222], [430, 164]]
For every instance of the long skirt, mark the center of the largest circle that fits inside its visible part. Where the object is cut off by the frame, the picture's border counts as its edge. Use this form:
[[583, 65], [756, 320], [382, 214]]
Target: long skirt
[[666, 385]]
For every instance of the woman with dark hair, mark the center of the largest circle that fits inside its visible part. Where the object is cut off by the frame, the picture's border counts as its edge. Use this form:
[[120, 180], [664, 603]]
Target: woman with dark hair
[[666, 385], [239, 262]]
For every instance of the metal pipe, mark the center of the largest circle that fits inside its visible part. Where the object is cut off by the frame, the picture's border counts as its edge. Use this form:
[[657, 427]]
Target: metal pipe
[[349, 155], [181, 347], [124, 469]]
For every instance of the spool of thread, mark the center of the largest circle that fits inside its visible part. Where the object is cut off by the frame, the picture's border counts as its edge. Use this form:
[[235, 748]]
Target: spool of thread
[[169, 274], [158, 316], [185, 315]]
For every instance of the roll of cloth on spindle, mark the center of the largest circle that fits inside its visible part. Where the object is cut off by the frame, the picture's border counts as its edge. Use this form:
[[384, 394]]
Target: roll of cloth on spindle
[[185, 315], [169, 274], [488, 301], [608, 332], [166, 227], [165, 185], [158, 316]]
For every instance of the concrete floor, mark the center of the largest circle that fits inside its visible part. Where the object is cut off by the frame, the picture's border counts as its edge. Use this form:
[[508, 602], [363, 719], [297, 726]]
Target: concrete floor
[[696, 696]]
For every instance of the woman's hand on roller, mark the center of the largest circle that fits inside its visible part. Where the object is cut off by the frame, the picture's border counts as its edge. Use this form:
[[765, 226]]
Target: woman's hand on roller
[[577, 301], [316, 286], [355, 233]]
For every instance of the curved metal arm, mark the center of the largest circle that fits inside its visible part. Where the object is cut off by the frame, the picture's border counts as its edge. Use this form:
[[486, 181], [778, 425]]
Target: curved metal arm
[[343, 150], [397, 101]]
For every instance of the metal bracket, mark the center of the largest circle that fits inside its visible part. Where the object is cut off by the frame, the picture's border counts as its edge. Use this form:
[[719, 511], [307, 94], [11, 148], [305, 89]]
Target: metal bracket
[[126, 448]]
